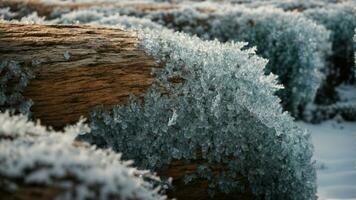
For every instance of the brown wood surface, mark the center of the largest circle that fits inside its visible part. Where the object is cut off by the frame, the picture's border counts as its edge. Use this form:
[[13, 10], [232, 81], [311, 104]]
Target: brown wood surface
[[103, 68]]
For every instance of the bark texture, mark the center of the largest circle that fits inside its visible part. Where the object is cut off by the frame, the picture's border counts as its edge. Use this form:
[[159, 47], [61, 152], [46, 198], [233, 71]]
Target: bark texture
[[79, 68]]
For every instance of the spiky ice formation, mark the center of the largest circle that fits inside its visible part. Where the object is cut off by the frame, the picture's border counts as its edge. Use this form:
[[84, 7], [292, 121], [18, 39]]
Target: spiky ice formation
[[213, 100]]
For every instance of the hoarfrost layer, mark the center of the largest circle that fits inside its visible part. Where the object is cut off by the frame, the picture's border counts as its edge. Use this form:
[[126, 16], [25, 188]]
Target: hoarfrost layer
[[295, 46], [217, 103], [32, 154]]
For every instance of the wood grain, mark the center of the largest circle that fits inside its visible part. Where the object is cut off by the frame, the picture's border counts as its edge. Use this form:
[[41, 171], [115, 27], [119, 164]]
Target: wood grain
[[80, 68]]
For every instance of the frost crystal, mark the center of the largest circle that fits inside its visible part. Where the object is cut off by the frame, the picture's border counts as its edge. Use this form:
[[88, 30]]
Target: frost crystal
[[222, 110], [66, 55], [32, 154]]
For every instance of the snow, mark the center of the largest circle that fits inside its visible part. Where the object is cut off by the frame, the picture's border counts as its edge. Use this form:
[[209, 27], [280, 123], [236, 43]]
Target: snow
[[347, 93], [335, 152]]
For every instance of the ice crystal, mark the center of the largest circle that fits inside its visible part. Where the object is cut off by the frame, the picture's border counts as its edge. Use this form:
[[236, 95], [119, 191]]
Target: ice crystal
[[32, 154], [223, 110], [66, 55]]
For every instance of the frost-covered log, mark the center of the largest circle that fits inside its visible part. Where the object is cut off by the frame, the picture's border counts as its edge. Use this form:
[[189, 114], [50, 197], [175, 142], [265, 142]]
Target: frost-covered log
[[75, 67], [37, 163], [204, 19], [296, 54], [210, 120], [218, 107], [340, 19]]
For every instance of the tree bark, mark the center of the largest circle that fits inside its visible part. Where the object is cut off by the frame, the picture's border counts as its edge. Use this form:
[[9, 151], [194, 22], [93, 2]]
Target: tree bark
[[79, 68]]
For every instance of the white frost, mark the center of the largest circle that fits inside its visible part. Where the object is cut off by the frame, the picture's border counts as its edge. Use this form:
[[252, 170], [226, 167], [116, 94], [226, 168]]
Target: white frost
[[37, 155]]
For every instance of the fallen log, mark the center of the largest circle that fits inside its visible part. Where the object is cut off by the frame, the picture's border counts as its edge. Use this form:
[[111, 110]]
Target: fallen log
[[165, 127], [235, 23], [37, 163], [76, 67]]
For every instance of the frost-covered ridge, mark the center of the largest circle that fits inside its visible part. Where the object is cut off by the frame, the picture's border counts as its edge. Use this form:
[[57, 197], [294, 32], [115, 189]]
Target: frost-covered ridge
[[32, 154], [217, 103]]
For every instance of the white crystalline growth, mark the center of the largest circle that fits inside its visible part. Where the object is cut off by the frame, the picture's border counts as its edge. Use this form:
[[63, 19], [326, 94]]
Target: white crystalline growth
[[224, 107], [33, 154]]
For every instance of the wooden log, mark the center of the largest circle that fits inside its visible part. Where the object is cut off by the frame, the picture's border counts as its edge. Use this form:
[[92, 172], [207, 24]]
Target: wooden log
[[79, 68]]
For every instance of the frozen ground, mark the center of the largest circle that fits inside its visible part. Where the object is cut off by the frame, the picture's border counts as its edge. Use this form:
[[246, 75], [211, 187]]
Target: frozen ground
[[335, 152]]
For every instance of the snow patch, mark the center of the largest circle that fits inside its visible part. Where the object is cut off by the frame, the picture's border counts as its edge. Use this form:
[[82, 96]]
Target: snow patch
[[335, 147]]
